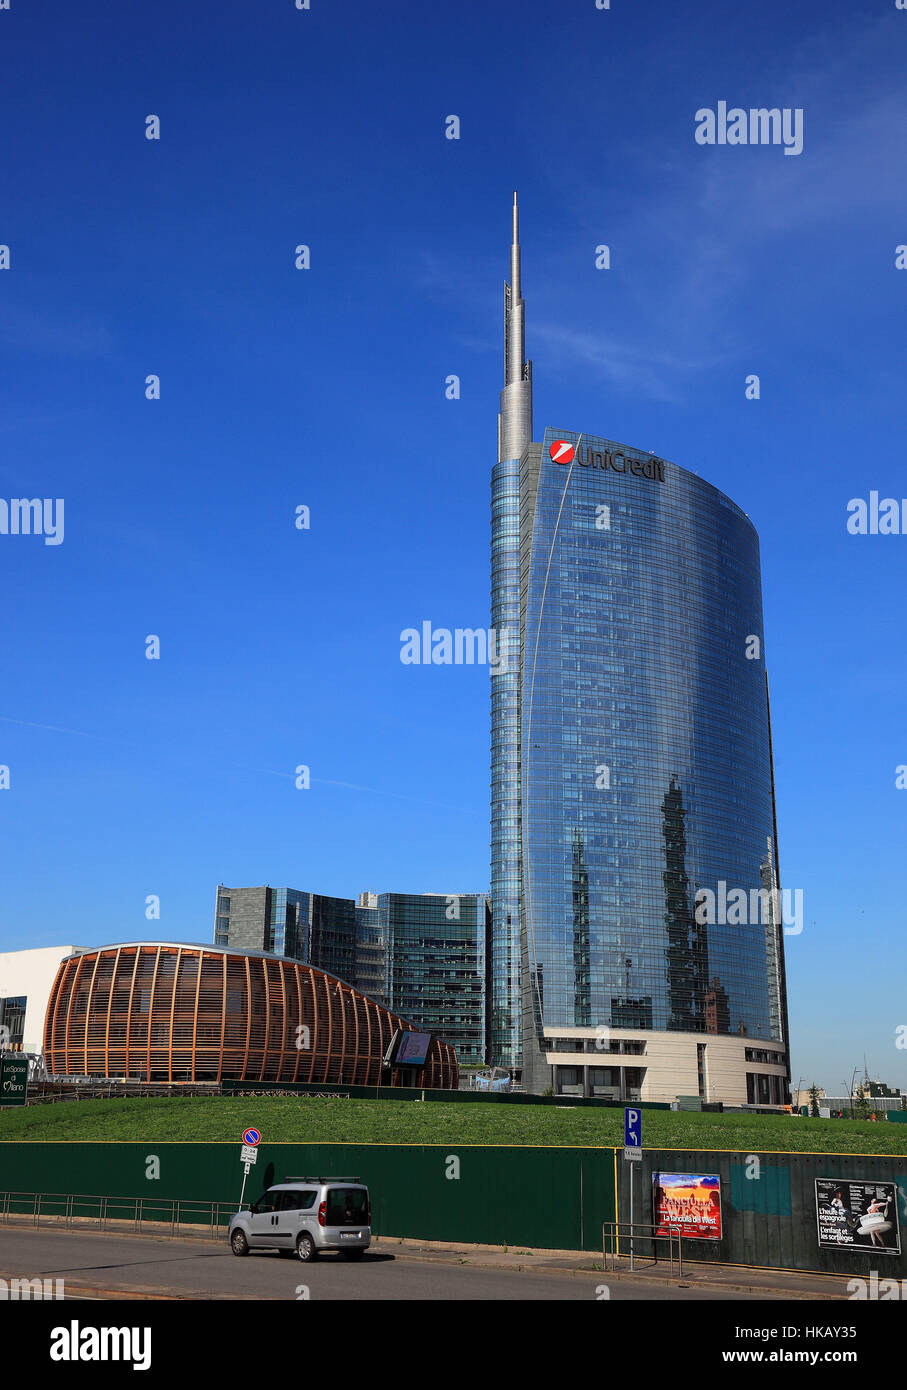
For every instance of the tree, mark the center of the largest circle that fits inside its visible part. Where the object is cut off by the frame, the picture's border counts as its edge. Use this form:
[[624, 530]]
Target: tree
[[814, 1101]]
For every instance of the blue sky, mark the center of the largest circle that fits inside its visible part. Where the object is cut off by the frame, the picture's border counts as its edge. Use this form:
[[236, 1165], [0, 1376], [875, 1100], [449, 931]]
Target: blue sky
[[326, 388]]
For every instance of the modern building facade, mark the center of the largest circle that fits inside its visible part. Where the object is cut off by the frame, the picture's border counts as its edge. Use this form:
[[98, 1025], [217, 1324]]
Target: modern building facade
[[162, 1011], [26, 979], [436, 961], [422, 955], [306, 926], [631, 772], [370, 971], [514, 434]]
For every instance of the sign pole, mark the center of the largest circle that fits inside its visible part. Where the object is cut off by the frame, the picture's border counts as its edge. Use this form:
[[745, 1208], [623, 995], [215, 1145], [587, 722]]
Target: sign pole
[[248, 1155], [631, 1214], [632, 1155]]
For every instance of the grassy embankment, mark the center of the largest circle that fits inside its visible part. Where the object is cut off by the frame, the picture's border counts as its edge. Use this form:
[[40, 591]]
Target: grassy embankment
[[315, 1120]]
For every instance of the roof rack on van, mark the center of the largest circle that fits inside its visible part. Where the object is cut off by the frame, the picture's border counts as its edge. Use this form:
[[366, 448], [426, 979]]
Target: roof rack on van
[[308, 1177]]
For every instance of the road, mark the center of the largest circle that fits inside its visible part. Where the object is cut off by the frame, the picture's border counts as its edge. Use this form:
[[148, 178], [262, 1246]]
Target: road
[[102, 1265]]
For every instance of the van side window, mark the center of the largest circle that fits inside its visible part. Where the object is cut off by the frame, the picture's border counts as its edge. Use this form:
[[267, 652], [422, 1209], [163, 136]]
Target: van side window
[[296, 1201], [266, 1202]]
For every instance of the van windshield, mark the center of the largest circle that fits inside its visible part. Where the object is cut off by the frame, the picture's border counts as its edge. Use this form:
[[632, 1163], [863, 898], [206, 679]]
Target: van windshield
[[347, 1206]]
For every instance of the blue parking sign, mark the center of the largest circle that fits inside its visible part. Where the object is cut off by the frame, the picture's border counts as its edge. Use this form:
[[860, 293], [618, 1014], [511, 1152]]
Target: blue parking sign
[[632, 1128]]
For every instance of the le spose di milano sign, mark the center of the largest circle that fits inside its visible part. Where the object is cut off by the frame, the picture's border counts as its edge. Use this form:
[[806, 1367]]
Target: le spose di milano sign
[[13, 1080]]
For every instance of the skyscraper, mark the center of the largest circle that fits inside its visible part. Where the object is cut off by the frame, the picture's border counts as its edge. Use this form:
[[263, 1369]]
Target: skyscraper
[[631, 771], [514, 435], [307, 926], [436, 945]]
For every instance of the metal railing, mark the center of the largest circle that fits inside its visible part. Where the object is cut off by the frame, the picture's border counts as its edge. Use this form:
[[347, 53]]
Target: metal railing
[[135, 1213], [637, 1232], [51, 1092]]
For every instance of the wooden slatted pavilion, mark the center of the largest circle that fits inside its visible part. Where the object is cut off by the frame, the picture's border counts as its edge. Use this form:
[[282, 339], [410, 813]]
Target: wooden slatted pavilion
[[161, 1011]]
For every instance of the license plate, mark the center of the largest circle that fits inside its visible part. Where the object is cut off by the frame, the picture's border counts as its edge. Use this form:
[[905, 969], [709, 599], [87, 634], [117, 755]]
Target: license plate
[[349, 1235]]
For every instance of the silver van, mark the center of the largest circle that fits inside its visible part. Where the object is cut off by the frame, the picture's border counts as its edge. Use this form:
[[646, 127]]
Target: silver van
[[303, 1216]]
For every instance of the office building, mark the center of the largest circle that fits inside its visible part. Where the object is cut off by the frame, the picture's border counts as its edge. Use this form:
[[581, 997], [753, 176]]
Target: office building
[[436, 950], [631, 771], [370, 961], [422, 955], [305, 926]]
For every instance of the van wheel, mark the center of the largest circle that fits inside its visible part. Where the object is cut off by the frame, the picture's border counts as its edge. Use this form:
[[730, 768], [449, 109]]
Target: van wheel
[[352, 1254], [238, 1243], [305, 1248]]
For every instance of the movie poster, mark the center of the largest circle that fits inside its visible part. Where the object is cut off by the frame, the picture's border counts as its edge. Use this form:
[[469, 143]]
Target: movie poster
[[687, 1202], [857, 1215]]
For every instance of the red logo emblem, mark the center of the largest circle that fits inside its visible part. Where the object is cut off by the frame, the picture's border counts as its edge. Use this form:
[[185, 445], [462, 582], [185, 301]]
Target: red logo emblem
[[561, 451]]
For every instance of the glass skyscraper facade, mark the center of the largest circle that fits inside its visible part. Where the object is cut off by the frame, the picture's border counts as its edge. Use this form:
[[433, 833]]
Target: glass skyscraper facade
[[504, 1011], [429, 949], [631, 769], [514, 433], [288, 927], [332, 935], [436, 952], [285, 922]]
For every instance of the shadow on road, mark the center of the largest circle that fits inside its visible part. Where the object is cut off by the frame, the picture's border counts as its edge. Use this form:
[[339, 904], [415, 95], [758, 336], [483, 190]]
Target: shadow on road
[[333, 1257]]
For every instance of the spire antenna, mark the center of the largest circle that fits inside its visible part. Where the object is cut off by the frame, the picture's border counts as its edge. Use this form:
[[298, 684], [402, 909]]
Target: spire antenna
[[515, 418], [515, 250]]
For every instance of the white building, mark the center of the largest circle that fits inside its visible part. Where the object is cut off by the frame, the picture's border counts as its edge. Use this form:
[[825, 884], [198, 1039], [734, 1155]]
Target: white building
[[26, 979], [654, 1065]]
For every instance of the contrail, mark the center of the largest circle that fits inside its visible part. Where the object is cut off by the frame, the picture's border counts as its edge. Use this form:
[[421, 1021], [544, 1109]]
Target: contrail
[[265, 771]]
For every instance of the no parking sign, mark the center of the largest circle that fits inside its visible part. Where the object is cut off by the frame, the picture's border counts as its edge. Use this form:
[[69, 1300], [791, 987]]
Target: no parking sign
[[248, 1154]]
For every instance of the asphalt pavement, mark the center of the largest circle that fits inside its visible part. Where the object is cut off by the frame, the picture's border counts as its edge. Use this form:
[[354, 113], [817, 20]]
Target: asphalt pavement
[[102, 1265]]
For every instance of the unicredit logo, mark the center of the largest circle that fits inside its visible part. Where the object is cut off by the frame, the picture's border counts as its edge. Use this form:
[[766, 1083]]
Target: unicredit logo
[[563, 452]]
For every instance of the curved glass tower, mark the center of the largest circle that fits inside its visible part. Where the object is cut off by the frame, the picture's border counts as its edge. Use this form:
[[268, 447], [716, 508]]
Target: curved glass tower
[[514, 434], [632, 778]]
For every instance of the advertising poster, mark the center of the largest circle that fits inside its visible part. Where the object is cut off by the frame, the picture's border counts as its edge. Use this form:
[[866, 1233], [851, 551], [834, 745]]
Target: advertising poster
[[688, 1202], [857, 1215], [13, 1080]]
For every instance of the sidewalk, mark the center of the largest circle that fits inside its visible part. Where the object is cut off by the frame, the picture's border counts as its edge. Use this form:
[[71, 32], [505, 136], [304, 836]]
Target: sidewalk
[[696, 1274]]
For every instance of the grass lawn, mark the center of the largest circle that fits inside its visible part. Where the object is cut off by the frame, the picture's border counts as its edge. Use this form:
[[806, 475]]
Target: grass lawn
[[412, 1122]]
